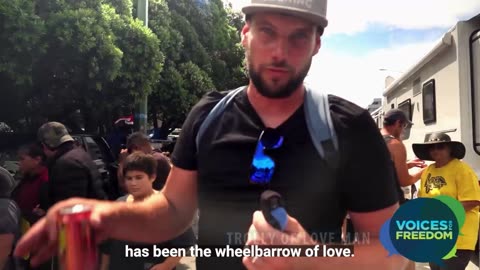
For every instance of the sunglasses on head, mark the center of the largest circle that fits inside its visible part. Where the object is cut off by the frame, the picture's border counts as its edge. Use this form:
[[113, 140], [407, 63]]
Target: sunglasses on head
[[263, 166]]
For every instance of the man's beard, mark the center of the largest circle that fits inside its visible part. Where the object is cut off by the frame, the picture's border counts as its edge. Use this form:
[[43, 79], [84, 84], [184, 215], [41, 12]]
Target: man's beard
[[279, 92]]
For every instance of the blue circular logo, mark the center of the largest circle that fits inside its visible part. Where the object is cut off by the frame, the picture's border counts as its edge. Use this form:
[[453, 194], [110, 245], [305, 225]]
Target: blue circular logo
[[424, 229]]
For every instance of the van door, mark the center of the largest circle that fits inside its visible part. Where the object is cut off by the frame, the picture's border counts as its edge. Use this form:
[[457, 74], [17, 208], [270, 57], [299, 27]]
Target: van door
[[475, 84]]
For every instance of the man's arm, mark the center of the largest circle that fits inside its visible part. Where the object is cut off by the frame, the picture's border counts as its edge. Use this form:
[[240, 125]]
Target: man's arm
[[163, 216], [367, 255], [370, 195], [6, 243], [469, 205], [160, 218], [399, 154], [105, 261], [370, 255]]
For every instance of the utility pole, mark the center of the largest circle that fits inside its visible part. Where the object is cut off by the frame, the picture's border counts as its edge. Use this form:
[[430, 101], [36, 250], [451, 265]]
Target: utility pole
[[141, 101]]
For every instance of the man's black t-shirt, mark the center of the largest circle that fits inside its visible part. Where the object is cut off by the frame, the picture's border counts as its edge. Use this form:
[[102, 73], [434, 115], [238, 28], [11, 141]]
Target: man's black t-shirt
[[317, 196]]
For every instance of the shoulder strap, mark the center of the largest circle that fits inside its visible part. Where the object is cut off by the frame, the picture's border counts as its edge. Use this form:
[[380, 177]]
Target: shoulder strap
[[388, 138], [320, 126], [216, 112]]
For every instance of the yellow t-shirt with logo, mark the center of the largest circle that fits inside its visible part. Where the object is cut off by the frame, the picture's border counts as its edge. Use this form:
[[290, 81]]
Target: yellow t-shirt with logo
[[457, 180]]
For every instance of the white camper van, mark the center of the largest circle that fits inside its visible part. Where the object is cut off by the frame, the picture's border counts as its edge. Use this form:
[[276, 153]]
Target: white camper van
[[441, 93]]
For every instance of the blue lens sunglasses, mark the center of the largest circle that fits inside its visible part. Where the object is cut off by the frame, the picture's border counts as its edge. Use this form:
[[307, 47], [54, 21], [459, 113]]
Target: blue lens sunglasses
[[263, 166]]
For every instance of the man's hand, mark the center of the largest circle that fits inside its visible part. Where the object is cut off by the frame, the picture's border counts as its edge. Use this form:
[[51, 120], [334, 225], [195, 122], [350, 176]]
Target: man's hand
[[416, 163], [123, 155], [262, 233], [38, 211], [40, 241]]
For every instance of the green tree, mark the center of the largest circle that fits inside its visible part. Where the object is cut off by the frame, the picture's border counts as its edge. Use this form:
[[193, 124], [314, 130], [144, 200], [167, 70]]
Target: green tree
[[21, 31], [97, 56], [80, 60], [202, 54], [93, 57]]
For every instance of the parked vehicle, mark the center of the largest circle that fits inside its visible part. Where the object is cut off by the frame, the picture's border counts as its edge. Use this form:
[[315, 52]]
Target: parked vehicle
[[441, 93], [173, 136]]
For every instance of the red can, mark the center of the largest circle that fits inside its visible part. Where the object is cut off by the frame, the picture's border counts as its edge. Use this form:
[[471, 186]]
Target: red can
[[77, 247]]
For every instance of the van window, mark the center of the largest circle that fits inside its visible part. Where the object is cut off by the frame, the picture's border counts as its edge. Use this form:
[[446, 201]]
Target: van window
[[406, 107], [429, 103]]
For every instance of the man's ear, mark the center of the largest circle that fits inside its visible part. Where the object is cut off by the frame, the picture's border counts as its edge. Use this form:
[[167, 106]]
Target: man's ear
[[318, 44], [153, 177], [45, 148], [38, 159], [245, 33]]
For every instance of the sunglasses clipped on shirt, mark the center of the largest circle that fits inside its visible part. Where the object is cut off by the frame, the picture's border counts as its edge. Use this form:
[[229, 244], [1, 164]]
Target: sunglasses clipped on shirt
[[263, 166]]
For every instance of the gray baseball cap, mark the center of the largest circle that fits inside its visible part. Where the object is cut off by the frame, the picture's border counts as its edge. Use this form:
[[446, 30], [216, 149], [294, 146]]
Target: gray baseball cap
[[53, 134], [312, 10], [396, 114]]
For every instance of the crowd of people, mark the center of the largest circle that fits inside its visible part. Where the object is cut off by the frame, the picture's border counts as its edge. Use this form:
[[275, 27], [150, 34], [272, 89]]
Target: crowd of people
[[213, 173], [55, 168], [446, 175]]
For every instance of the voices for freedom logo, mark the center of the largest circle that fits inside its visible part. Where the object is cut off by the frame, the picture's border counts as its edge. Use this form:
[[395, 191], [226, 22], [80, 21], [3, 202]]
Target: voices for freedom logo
[[424, 229]]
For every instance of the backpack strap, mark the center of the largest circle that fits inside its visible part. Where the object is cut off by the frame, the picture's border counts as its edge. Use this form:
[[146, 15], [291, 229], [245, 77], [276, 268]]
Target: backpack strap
[[215, 113], [320, 126], [388, 138]]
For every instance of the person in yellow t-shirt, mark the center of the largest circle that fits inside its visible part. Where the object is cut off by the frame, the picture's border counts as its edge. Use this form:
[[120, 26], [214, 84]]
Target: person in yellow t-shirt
[[452, 177]]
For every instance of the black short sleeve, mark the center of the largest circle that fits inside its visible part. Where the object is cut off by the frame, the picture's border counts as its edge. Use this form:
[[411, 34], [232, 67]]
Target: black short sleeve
[[185, 239], [367, 176], [105, 247], [9, 217], [184, 154]]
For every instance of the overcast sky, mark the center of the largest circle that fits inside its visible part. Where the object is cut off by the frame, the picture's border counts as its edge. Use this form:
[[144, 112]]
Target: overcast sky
[[365, 36]]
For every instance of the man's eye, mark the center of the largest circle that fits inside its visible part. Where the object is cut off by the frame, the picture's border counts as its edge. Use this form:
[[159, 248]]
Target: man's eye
[[300, 36], [267, 31]]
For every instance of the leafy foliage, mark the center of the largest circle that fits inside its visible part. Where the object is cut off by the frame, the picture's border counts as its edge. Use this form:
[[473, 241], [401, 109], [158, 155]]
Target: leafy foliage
[[67, 60]]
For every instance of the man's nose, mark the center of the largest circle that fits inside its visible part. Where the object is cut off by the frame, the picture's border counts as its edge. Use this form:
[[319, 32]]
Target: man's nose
[[280, 51]]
